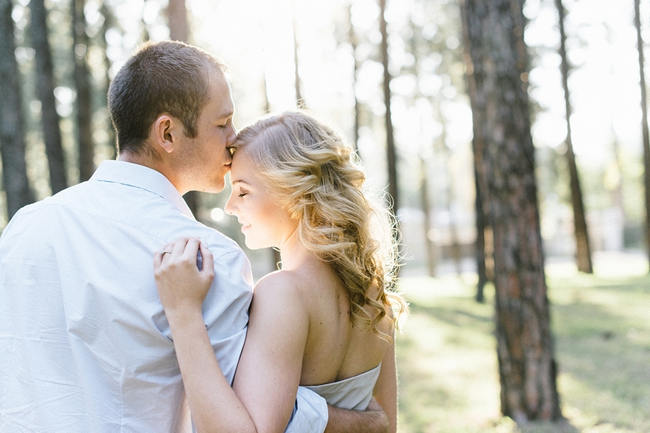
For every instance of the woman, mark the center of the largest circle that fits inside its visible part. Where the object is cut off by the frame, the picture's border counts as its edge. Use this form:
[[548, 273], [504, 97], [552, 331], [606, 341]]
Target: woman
[[325, 320]]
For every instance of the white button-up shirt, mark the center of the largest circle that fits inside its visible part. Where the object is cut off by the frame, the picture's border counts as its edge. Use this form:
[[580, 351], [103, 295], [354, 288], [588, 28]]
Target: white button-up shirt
[[84, 343]]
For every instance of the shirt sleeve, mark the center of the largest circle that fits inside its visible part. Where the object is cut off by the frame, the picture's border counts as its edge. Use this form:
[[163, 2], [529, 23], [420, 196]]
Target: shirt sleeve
[[225, 309], [309, 413]]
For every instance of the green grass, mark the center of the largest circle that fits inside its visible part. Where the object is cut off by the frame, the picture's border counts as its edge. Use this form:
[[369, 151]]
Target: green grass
[[601, 325]]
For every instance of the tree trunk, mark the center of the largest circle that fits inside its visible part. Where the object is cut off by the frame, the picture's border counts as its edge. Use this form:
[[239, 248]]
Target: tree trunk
[[391, 156], [480, 242], [480, 182], [527, 369], [618, 194], [644, 123], [583, 249], [352, 38], [428, 223], [425, 202], [109, 21], [84, 91], [146, 37], [265, 92], [275, 253], [179, 30], [454, 244], [12, 138], [45, 82], [300, 100]]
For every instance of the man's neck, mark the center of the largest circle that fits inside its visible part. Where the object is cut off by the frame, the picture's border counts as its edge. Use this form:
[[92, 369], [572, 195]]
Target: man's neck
[[149, 162]]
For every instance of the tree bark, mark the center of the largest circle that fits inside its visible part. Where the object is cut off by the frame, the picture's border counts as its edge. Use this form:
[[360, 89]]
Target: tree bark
[[391, 156], [45, 83], [644, 123], [12, 133], [480, 182], [479, 252], [179, 30], [84, 91], [527, 369], [583, 249]]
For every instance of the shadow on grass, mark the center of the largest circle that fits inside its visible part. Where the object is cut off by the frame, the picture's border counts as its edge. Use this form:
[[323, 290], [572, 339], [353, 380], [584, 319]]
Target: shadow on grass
[[563, 426], [602, 340], [602, 365], [455, 317], [636, 283], [426, 396]]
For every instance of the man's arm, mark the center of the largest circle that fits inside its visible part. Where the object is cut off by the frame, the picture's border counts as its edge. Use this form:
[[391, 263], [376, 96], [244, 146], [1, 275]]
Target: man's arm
[[372, 420], [312, 413], [386, 387]]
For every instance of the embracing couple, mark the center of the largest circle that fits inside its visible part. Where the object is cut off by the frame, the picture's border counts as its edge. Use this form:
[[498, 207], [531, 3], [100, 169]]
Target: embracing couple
[[95, 339]]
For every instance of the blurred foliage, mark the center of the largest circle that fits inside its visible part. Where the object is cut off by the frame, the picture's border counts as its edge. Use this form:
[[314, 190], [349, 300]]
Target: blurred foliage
[[431, 110]]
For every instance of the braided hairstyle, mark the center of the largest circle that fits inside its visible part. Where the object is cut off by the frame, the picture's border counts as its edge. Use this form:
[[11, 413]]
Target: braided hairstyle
[[316, 178]]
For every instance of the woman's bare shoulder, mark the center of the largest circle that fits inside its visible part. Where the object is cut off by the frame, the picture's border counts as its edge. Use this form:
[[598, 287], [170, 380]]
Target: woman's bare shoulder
[[279, 285]]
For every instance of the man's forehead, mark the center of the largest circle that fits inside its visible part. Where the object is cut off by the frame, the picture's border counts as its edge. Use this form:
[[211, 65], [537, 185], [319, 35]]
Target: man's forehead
[[221, 95]]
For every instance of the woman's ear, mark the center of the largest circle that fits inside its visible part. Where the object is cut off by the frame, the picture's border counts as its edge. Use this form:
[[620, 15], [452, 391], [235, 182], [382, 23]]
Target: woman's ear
[[163, 133]]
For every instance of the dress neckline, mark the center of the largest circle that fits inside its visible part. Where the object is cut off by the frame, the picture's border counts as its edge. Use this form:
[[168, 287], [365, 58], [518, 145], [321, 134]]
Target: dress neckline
[[349, 379]]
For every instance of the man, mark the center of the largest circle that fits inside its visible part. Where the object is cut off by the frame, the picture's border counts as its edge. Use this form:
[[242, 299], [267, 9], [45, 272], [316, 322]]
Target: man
[[84, 342]]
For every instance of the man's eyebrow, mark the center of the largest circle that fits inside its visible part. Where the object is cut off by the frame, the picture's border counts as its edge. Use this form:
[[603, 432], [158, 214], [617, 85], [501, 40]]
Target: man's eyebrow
[[226, 114], [239, 181]]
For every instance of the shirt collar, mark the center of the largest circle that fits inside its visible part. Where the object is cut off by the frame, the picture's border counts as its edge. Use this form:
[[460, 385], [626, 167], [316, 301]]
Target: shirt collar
[[139, 176]]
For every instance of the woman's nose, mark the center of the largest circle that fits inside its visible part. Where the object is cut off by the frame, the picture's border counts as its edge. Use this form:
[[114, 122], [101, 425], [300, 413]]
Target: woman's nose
[[229, 207]]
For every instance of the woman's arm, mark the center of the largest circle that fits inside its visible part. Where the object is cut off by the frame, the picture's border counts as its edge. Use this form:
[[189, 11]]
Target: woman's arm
[[385, 391], [270, 367], [269, 370], [182, 288]]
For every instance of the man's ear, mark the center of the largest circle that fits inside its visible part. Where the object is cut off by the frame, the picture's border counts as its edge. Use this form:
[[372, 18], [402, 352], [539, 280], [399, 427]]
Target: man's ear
[[164, 133]]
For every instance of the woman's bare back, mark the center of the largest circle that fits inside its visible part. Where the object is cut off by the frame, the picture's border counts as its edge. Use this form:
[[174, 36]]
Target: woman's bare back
[[336, 349]]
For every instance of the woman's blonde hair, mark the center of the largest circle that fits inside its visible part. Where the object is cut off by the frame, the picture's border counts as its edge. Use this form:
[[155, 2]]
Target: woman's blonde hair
[[319, 182]]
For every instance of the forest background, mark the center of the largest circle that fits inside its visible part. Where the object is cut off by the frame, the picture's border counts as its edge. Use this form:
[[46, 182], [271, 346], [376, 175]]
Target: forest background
[[404, 83]]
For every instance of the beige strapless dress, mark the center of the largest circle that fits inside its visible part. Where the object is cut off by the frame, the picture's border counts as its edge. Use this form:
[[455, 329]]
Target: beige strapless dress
[[352, 393]]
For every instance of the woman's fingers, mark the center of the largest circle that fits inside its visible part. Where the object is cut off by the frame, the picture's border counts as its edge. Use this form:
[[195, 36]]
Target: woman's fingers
[[191, 249], [186, 251], [179, 246], [208, 260]]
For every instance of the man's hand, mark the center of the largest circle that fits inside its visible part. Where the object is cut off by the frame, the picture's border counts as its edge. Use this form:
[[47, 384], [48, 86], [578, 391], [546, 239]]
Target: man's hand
[[372, 420]]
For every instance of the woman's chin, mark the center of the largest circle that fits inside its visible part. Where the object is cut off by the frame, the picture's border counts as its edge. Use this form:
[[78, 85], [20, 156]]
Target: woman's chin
[[253, 244]]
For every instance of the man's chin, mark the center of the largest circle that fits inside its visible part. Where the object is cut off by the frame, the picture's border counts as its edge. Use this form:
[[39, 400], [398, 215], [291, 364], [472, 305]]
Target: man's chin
[[215, 187]]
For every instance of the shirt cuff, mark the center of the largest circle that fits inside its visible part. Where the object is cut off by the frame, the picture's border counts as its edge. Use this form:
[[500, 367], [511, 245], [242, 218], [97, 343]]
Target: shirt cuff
[[309, 413]]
